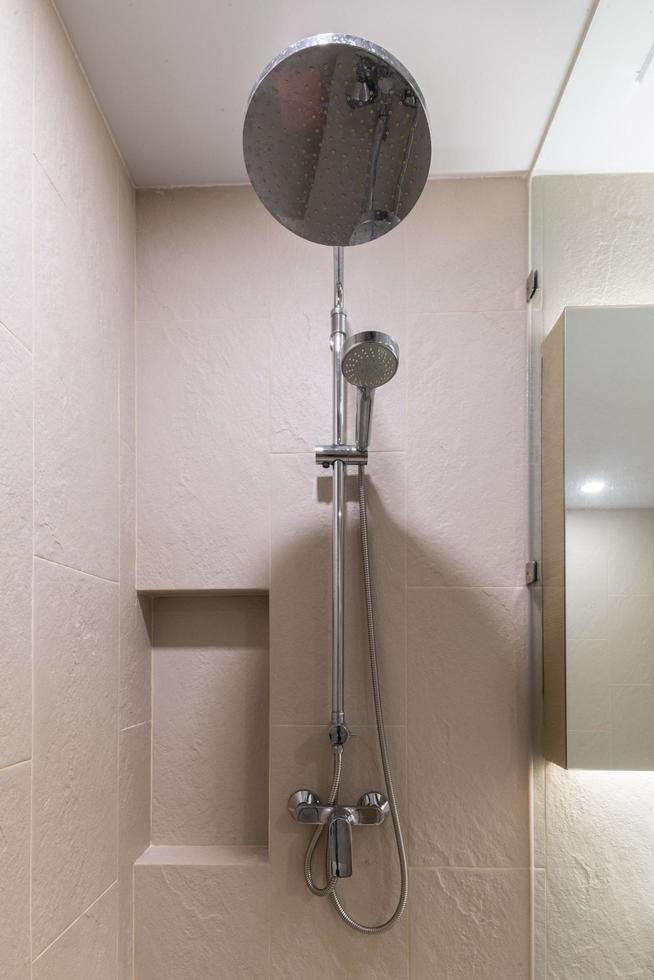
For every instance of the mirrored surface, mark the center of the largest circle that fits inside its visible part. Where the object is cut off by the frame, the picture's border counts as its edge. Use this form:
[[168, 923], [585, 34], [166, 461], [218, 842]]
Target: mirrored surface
[[336, 140], [607, 533]]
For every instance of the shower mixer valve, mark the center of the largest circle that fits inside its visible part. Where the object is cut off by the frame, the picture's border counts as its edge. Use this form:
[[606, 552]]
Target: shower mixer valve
[[371, 810]]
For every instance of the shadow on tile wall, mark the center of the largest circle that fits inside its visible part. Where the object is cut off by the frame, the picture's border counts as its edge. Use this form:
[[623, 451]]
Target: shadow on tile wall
[[454, 672]]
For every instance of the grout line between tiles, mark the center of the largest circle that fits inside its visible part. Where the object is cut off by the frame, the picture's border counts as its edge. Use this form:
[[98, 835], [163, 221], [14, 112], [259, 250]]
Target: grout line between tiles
[[119, 529], [491, 868], [138, 724], [149, 607], [33, 537], [367, 725], [154, 321], [15, 336], [114, 884], [13, 765], [152, 638], [50, 180], [80, 571], [468, 588]]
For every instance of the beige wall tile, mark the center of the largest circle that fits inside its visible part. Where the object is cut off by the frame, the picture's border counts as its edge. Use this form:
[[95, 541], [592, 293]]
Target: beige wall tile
[[125, 303], [135, 610], [599, 872], [77, 282], [467, 246], [202, 254], [300, 381], [587, 750], [201, 922], [75, 394], [300, 610], [86, 949], [467, 923], [305, 929], [75, 726], [581, 215], [375, 283], [588, 680], [539, 937], [15, 549], [630, 550], [133, 829], [589, 541], [16, 112], [71, 140], [467, 500], [210, 759], [631, 639], [301, 367], [468, 728], [468, 702], [66, 191], [632, 726], [15, 872], [538, 792], [203, 454], [587, 616]]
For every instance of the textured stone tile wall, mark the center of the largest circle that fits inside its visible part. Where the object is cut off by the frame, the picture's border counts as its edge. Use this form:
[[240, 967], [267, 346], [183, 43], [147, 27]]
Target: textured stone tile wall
[[593, 837], [74, 759], [233, 393]]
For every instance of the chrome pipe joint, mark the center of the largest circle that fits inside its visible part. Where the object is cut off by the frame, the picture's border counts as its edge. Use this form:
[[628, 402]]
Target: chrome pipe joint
[[371, 811]]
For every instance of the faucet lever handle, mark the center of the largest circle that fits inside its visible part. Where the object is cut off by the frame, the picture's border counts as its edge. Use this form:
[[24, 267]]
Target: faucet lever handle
[[339, 845]]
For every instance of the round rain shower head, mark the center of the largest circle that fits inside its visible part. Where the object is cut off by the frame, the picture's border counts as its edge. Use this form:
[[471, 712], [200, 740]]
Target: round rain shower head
[[370, 359], [336, 140]]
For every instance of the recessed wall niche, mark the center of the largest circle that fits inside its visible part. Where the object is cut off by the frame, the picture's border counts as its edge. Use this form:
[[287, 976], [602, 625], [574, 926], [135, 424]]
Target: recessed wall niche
[[210, 746]]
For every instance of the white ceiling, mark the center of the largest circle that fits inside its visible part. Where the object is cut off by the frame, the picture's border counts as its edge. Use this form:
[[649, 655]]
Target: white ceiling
[[173, 76], [605, 121]]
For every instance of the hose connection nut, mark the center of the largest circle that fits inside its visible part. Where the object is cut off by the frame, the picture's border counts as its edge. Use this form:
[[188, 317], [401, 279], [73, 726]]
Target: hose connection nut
[[339, 734]]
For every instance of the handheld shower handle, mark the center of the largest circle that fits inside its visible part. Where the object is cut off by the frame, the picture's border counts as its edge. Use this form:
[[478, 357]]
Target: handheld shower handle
[[369, 360], [365, 401]]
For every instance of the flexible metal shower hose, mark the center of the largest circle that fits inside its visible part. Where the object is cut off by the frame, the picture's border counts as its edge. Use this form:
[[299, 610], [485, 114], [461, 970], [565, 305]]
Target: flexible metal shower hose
[[330, 886]]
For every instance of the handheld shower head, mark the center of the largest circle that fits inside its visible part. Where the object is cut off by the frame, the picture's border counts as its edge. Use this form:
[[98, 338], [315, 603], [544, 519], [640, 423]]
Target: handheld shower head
[[370, 360]]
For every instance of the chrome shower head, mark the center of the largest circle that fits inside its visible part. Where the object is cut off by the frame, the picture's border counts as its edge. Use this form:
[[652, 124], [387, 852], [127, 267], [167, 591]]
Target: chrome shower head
[[336, 140], [369, 360]]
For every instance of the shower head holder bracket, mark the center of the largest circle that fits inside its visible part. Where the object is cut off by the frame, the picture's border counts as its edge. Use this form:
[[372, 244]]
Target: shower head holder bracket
[[350, 455]]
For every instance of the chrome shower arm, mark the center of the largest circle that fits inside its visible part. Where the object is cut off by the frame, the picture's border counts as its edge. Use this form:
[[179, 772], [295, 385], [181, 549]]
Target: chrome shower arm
[[338, 337]]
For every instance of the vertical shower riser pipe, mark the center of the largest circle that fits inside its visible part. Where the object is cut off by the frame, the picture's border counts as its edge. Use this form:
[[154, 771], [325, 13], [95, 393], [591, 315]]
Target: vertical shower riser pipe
[[337, 339]]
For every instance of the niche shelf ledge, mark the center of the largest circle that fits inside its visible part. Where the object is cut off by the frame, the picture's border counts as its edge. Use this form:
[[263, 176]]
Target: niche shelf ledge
[[175, 591], [203, 856]]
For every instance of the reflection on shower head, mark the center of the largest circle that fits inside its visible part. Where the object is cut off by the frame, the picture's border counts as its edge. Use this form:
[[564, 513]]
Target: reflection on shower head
[[336, 140]]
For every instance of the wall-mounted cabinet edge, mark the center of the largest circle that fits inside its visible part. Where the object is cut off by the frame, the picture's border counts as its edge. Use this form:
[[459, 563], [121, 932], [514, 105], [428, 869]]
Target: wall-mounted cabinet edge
[[553, 559]]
